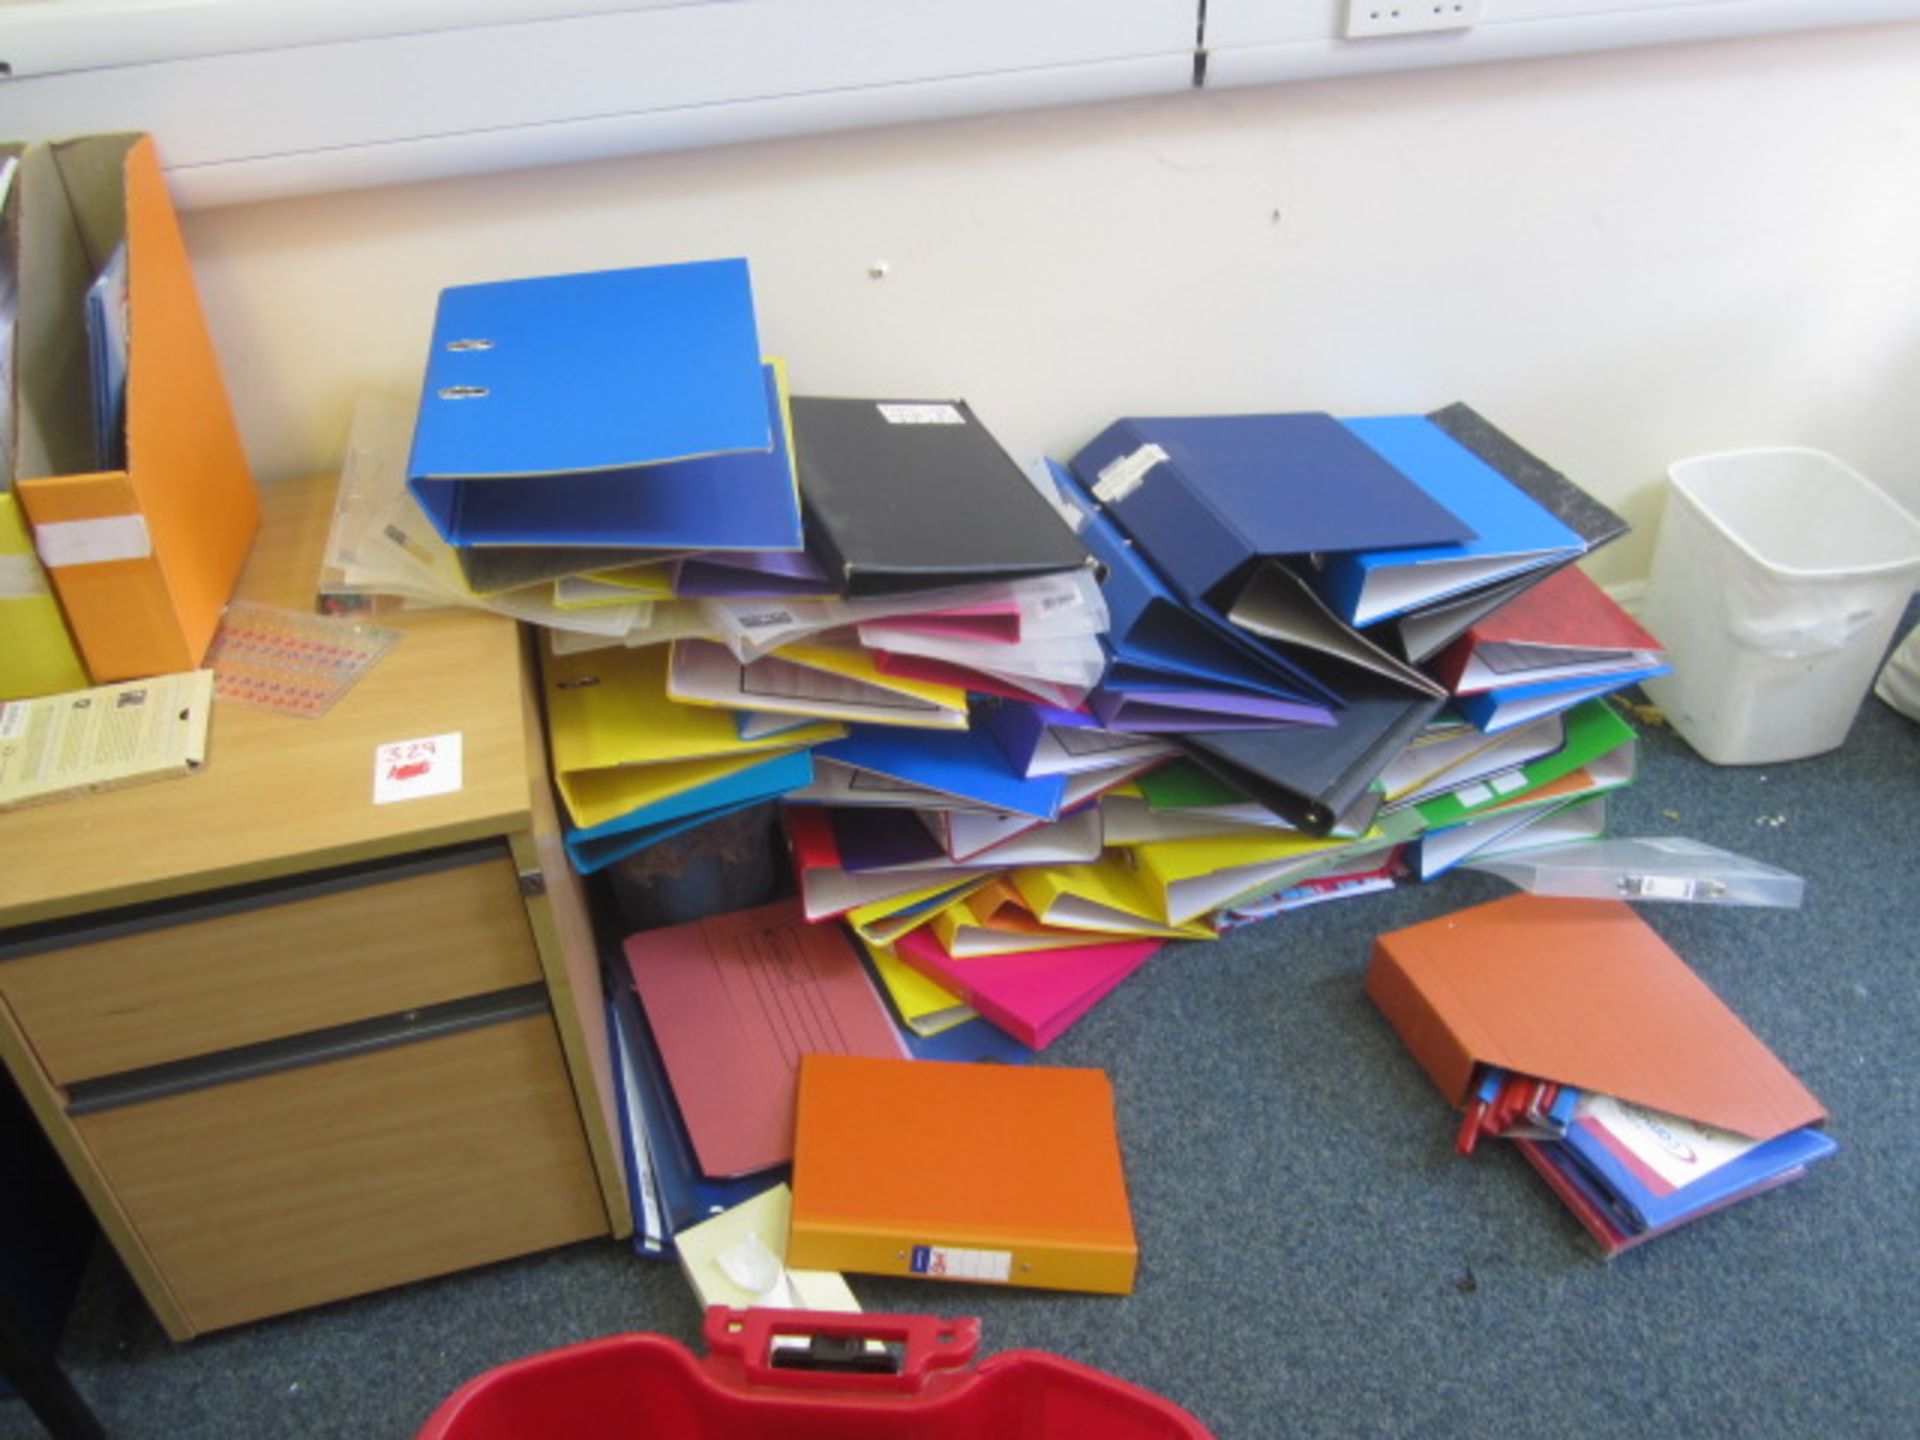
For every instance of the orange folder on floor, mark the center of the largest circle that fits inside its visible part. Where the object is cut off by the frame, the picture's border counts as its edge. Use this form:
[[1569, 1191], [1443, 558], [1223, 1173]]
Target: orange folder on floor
[[1584, 993], [143, 557], [938, 1170]]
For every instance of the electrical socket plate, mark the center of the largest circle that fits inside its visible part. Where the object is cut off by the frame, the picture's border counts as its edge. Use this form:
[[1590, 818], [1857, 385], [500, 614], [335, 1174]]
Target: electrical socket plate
[[1368, 18]]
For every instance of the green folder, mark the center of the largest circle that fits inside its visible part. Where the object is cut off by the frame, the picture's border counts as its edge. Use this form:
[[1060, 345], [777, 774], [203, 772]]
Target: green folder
[[1597, 737]]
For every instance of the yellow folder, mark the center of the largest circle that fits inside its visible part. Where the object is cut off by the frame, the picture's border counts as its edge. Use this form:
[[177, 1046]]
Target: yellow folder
[[997, 920], [36, 652], [824, 681], [925, 1006], [609, 715], [594, 797], [1189, 878], [1106, 895], [881, 922], [652, 580]]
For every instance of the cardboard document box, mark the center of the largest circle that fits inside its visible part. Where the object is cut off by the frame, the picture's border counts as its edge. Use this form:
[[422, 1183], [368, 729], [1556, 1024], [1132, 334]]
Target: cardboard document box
[[144, 548], [1586, 994]]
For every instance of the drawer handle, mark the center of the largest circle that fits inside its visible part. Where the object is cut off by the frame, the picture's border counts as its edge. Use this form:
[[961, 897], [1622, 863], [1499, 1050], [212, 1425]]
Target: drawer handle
[[314, 1047]]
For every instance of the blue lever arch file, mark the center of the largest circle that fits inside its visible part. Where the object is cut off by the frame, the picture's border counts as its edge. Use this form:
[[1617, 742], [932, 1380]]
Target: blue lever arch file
[[1205, 496], [745, 500], [601, 374]]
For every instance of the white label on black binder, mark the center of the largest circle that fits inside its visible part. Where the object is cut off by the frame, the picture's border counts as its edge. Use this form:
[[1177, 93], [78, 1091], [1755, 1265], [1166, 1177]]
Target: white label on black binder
[[921, 415], [21, 576], [92, 542], [1120, 478]]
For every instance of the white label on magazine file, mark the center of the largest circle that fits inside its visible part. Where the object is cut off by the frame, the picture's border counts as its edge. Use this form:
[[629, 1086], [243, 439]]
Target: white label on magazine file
[[921, 415], [946, 1262], [1121, 477], [92, 542]]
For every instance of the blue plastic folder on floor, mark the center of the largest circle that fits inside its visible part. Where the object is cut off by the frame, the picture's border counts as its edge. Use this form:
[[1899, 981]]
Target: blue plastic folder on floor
[[572, 391], [1643, 1198]]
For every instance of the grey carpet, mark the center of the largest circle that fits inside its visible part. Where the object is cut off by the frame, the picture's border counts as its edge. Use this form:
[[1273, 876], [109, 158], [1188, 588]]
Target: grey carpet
[[1315, 1259]]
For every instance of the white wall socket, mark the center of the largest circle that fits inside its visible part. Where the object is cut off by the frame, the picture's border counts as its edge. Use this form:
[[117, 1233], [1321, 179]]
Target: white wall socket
[[1367, 18]]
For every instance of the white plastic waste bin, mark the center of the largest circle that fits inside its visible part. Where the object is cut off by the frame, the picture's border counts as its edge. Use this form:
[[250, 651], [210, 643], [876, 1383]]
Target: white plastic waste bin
[[1778, 578]]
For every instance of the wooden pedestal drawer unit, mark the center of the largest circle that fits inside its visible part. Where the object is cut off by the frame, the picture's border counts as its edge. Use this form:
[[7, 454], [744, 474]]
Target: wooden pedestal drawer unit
[[303, 1092], [294, 1044], [308, 1184]]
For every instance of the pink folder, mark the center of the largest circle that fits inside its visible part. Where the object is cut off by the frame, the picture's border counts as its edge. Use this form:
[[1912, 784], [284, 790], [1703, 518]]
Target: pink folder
[[997, 622], [734, 1001], [1033, 995]]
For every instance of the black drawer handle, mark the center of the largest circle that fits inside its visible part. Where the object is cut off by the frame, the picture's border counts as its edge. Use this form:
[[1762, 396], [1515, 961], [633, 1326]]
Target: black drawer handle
[[313, 1047]]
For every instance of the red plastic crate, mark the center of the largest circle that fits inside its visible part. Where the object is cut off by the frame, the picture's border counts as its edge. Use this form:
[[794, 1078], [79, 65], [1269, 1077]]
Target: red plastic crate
[[648, 1387]]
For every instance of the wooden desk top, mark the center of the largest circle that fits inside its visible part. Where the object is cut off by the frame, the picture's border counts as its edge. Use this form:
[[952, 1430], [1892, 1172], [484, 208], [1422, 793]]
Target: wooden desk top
[[280, 795]]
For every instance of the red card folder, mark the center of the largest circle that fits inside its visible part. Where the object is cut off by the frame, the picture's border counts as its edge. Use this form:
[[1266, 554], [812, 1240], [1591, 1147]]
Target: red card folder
[[734, 1002], [1567, 611], [1585, 993]]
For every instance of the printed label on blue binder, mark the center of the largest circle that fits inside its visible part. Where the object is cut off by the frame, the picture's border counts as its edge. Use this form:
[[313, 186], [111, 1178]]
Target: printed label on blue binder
[[946, 1262], [1120, 477]]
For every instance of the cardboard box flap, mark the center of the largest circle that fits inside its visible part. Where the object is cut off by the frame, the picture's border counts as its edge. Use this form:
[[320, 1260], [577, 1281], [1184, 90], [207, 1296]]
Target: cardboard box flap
[[1585, 993], [52, 417]]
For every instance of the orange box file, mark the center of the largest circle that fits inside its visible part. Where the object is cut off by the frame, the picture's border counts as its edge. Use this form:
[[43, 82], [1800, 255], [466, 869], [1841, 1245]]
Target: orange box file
[[999, 1174], [1584, 993]]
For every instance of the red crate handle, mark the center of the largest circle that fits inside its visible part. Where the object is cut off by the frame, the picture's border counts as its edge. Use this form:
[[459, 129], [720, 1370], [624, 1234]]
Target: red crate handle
[[740, 1347]]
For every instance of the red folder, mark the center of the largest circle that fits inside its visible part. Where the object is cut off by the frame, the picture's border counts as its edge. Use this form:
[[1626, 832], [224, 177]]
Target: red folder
[[1567, 618], [734, 1001]]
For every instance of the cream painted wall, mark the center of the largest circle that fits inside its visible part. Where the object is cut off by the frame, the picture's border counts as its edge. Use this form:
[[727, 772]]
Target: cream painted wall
[[1621, 258]]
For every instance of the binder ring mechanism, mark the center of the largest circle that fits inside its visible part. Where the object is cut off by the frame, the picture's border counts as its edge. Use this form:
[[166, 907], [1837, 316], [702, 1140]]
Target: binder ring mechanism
[[465, 392]]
